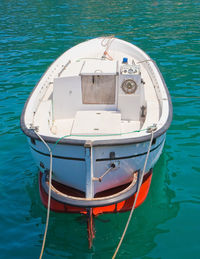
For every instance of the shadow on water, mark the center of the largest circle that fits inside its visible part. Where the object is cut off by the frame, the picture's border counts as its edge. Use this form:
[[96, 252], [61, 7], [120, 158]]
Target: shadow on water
[[67, 233]]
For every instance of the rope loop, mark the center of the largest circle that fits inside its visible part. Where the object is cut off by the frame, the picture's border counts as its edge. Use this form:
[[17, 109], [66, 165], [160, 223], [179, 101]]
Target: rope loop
[[107, 44]]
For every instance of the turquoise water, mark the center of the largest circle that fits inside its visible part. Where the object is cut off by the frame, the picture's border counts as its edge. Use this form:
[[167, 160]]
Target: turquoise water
[[32, 35]]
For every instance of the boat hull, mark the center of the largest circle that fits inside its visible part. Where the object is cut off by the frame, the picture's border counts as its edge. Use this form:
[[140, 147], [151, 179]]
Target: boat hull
[[122, 206], [70, 163]]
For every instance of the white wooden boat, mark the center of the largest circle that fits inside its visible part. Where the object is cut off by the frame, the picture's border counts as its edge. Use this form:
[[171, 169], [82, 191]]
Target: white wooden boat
[[96, 107]]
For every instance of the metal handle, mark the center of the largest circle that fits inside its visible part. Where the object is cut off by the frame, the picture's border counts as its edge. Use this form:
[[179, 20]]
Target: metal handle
[[112, 166]]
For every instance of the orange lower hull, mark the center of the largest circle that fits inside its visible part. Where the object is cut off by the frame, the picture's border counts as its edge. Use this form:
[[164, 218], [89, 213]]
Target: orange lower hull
[[122, 206]]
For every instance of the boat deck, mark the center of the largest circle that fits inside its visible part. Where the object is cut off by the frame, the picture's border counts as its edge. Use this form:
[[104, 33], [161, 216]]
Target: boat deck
[[98, 120]]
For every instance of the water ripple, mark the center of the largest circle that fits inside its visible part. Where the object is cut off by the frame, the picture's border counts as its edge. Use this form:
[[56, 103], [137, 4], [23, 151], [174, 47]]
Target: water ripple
[[32, 35]]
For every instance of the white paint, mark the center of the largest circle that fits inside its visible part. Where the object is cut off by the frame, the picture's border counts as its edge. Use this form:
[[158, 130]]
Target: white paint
[[99, 67], [56, 106], [96, 123], [67, 97]]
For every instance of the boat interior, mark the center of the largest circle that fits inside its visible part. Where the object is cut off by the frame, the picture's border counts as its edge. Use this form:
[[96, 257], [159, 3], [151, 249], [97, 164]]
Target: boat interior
[[99, 96]]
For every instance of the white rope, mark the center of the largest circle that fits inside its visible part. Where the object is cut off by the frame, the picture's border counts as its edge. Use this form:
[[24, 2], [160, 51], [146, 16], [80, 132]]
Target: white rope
[[133, 207], [107, 45], [49, 195]]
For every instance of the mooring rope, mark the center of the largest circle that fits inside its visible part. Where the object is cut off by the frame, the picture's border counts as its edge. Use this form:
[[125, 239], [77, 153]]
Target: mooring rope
[[150, 129], [107, 45], [49, 194], [133, 207]]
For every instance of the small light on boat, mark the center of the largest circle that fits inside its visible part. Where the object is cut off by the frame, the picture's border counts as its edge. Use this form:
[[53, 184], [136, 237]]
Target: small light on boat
[[125, 60]]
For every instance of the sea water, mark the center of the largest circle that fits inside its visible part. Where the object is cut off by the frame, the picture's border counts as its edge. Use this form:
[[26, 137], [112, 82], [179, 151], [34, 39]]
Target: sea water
[[32, 35]]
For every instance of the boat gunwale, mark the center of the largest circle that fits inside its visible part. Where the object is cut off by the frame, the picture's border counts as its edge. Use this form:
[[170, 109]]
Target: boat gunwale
[[106, 142], [99, 159]]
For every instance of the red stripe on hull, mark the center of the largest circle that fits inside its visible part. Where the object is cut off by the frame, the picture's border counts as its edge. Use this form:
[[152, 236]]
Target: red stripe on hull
[[122, 206]]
